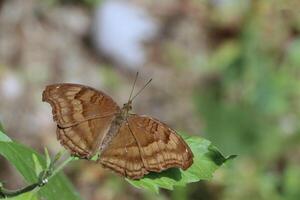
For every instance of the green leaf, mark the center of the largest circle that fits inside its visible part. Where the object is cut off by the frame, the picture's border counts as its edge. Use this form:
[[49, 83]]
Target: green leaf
[[48, 159], [38, 168], [3, 137], [22, 158], [207, 159], [291, 182]]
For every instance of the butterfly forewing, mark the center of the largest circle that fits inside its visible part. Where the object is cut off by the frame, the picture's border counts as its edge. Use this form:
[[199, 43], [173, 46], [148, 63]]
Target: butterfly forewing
[[74, 103], [123, 155], [84, 139], [83, 116], [160, 147]]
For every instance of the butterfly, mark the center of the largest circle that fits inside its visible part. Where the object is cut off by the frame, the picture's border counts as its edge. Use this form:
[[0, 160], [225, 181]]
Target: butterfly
[[89, 122]]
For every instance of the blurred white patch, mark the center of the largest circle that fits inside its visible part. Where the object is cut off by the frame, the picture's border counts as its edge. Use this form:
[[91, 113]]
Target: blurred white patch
[[119, 31], [11, 87], [288, 124]]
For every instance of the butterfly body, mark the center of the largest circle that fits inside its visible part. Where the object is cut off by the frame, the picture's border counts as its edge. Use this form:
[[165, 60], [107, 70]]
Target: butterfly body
[[90, 122], [120, 118]]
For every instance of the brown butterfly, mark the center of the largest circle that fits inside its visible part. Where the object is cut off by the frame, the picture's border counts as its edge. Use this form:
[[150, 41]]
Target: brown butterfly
[[90, 122]]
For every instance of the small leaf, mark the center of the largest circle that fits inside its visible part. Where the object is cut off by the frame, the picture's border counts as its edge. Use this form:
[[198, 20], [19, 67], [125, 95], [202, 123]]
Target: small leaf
[[4, 138], [207, 159], [37, 165], [47, 156], [95, 157], [57, 157]]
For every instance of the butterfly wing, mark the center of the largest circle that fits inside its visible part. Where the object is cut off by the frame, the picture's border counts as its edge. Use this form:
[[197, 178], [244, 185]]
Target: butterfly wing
[[83, 139], [74, 103], [83, 116], [143, 144], [160, 146], [122, 155]]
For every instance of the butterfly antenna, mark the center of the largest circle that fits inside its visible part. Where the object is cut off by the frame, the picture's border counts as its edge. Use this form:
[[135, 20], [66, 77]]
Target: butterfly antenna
[[141, 89], [137, 74]]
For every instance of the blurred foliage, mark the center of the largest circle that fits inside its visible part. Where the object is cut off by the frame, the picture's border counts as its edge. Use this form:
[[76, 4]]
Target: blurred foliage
[[89, 3], [292, 182], [249, 102]]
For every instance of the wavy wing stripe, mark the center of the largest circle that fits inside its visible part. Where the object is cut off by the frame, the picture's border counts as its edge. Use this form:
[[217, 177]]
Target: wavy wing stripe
[[83, 116], [160, 146], [86, 137], [69, 144], [122, 155], [73, 103]]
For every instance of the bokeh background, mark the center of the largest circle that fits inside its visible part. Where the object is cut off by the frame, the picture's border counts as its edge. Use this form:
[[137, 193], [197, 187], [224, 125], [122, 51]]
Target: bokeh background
[[225, 70]]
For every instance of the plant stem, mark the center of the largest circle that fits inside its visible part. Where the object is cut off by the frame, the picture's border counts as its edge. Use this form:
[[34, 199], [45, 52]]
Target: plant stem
[[4, 193], [61, 166]]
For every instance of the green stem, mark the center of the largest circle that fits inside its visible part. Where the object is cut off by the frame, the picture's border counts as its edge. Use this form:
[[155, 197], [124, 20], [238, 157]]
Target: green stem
[[4, 193], [61, 166]]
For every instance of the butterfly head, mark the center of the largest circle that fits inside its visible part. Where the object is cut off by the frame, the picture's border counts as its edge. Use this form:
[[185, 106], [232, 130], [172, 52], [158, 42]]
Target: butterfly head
[[127, 106]]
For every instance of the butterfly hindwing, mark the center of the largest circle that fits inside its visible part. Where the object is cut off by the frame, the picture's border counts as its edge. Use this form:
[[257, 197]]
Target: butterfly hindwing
[[142, 145], [123, 155], [160, 146]]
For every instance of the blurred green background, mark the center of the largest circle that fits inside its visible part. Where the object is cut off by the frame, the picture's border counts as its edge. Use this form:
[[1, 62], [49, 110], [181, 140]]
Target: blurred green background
[[226, 70]]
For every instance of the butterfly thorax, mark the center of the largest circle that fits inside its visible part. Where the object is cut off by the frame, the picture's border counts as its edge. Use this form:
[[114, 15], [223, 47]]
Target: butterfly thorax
[[125, 111], [116, 124]]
